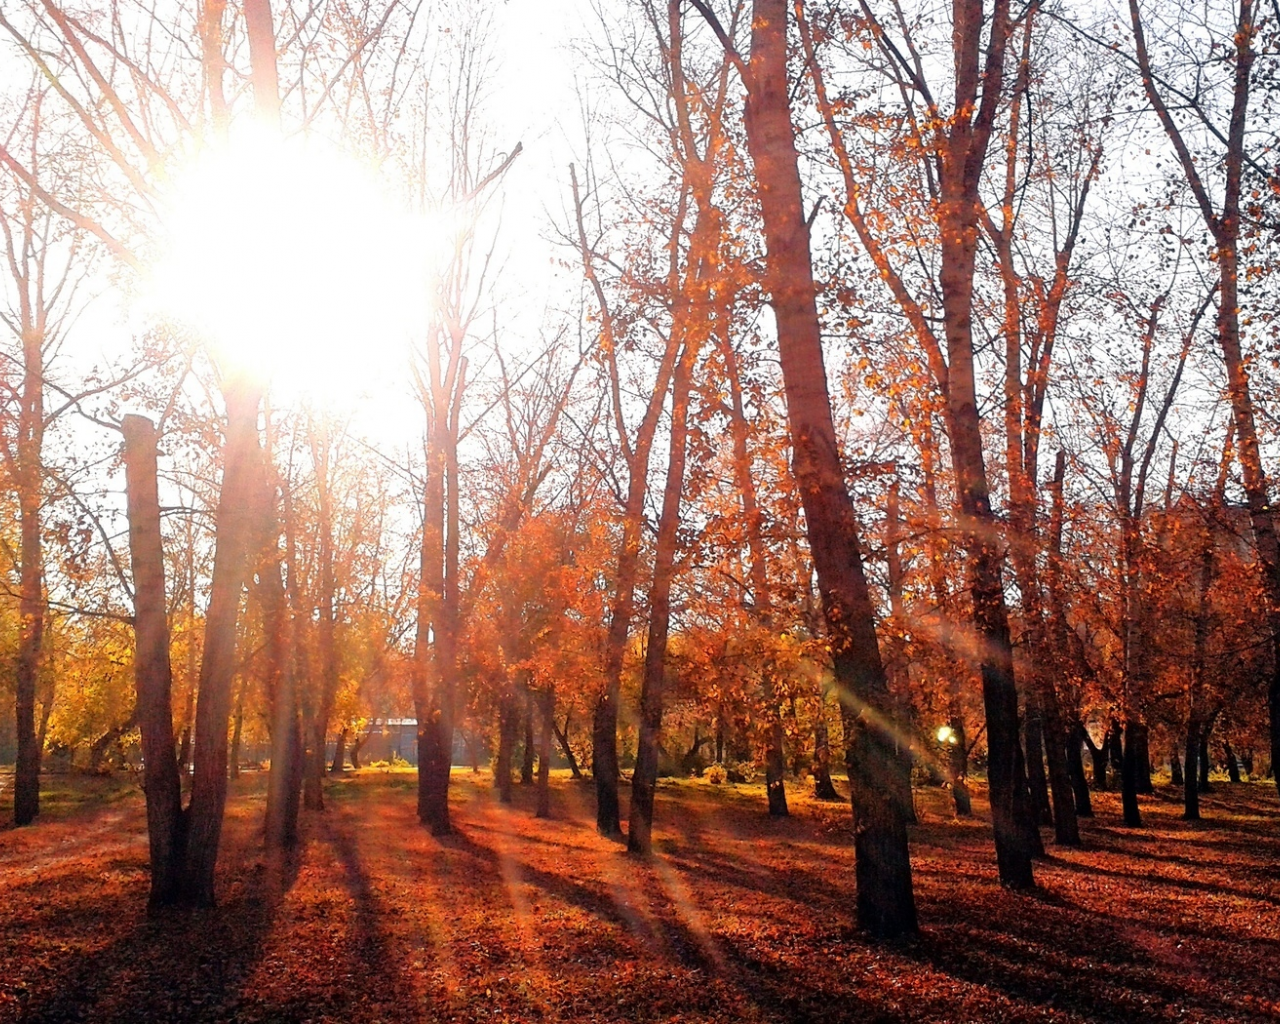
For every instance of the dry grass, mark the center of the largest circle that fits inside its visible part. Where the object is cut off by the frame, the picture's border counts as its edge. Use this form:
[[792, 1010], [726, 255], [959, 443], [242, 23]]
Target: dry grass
[[737, 917]]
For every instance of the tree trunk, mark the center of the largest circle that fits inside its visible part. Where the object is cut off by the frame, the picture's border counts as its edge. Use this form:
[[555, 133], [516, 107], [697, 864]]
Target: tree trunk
[[562, 737], [879, 778], [508, 723], [1143, 782], [284, 785], [153, 673], [1075, 769], [644, 779], [30, 444], [1099, 755], [1175, 767], [1205, 765], [1191, 774], [547, 705], [339, 764], [237, 732], [231, 550], [1233, 766], [1066, 793], [1129, 774], [823, 787], [526, 764], [1037, 780]]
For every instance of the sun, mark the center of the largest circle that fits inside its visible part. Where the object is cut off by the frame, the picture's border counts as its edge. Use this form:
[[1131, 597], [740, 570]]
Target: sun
[[295, 262]]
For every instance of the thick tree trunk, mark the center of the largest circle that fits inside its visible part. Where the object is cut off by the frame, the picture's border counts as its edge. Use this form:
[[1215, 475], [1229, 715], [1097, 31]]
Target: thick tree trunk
[[235, 529], [153, 673], [879, 778]]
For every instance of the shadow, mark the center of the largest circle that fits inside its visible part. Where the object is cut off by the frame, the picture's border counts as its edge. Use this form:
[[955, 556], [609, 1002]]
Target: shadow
[[183, 964]]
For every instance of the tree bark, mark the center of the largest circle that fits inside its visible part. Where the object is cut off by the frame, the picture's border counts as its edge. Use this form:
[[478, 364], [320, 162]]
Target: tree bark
[[30, 444], [234, 532], [1129, 775], [1099, 756], [547, 707], [644, 779], [562, 737], [1079, 785], [526, 764], [153, 673], [339, 763], [1037, 780], [879, 778], [508, 722], [1191, 773]]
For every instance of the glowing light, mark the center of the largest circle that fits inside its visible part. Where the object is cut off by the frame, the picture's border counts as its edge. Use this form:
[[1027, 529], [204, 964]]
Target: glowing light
[[946, 734], [294, 261]]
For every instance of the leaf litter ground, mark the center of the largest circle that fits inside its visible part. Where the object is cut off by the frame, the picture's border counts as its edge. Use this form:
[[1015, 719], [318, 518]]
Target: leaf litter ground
[[737, 917]]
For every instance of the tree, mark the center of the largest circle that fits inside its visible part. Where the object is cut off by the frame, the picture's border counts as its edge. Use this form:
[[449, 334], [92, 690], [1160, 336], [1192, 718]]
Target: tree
[[878, 775]]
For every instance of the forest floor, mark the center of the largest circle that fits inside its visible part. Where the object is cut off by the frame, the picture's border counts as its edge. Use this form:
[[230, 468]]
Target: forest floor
[[736, 918]]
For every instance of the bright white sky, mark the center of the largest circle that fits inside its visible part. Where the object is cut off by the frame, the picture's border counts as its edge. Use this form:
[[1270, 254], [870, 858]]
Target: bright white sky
[[532, 99]]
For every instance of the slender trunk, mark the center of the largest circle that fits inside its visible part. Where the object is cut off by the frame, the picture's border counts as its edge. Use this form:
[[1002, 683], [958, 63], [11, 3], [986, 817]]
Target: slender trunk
[[1098, 756], [1175, 766], [1233, 766], [644, 779], [284, 795], [1143, 782], [1205, 764], [508, 722], [823, 787], [1191, 774], [313, 787], [1037, 780], [547, 706], [1079, 785], [562, 737], [526, 764], [231, 550], [237, 733], [879, 778], [153, 672], [30, 444], [1060, 748], [339, 763]]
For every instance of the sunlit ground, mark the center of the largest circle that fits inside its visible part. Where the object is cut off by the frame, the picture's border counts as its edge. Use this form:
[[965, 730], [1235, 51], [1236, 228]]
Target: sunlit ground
[[737, 917]]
